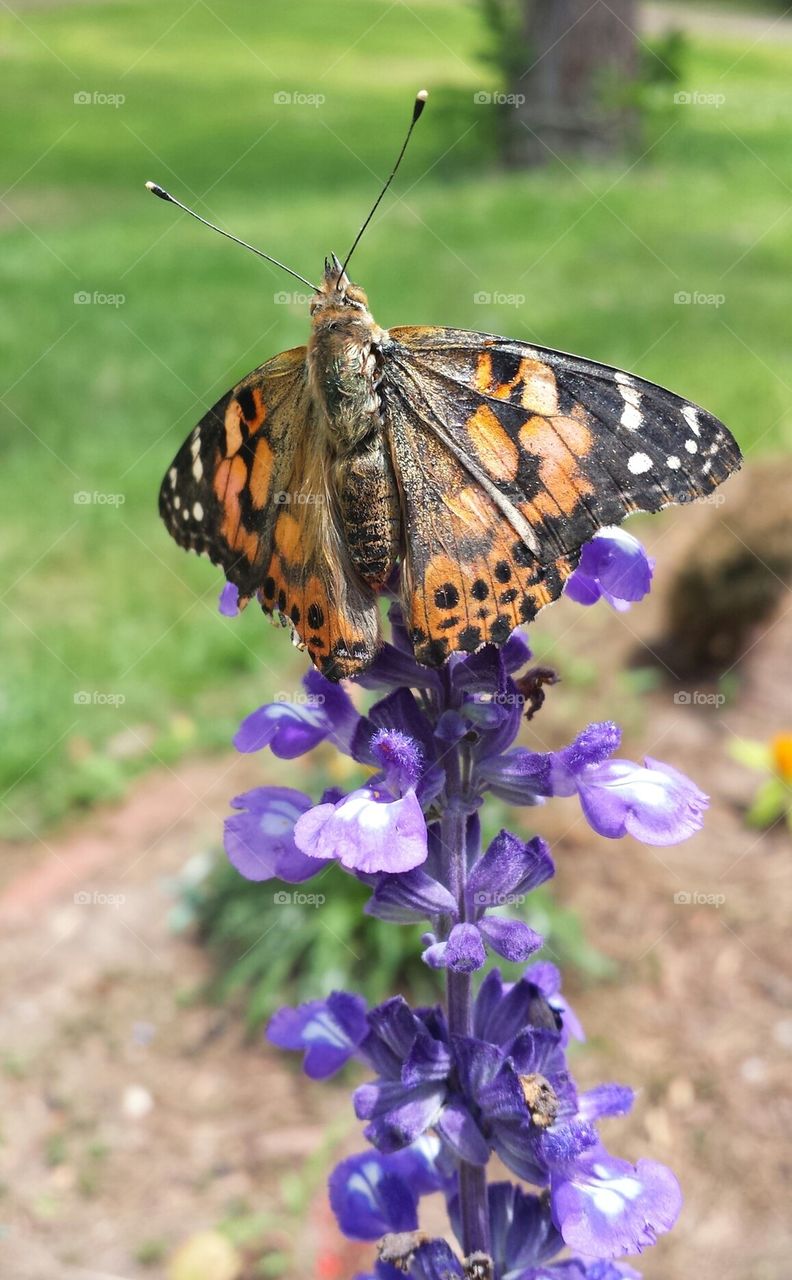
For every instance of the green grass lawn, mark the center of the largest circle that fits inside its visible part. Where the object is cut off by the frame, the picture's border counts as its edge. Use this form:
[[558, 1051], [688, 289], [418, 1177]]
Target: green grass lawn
[[97, 397]]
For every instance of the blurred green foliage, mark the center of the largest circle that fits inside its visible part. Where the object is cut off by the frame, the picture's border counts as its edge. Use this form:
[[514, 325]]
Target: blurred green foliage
[[97, 397]]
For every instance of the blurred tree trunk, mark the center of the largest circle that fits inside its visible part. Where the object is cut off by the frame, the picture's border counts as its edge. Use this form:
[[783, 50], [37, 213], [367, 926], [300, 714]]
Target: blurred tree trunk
[[573, 91]]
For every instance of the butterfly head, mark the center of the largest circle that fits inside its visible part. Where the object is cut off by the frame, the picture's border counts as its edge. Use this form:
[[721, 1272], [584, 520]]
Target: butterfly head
[[338, 294]]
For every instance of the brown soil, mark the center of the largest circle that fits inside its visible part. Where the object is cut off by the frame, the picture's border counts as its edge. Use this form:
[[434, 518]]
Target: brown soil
[[134, 1115]]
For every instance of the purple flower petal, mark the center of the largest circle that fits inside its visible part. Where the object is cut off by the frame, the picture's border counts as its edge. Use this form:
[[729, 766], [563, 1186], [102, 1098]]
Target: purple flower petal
[[411, 896], [367, 831], [228, 601], [655, 803], [259, 840], [369, 1198], [613, 565], [459, 1131], [465, 951], [519, 776], [329, 1031], [606, 1207], [509, 868], [606, 1100], [512, 939], [436, 1261]]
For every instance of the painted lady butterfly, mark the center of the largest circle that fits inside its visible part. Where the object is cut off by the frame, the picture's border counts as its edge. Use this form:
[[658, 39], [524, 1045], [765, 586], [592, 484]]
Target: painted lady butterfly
[[478, 464]]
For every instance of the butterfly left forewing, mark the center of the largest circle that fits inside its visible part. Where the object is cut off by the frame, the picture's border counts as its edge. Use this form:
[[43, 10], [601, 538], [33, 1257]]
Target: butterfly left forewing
[[560, 443]]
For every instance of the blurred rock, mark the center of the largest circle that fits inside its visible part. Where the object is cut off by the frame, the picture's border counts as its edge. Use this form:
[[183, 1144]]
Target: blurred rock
[[734, 572], [206, 1256]]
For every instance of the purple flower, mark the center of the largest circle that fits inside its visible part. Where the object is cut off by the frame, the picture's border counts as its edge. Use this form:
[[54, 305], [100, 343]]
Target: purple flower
[[259, 840], [329, 1031], [502, 876], [380, 827], [607, 1207], [228, 600], [522, 1231], [614, 567], [547, 978], [373, 1194], [652, 802], [292, 727]]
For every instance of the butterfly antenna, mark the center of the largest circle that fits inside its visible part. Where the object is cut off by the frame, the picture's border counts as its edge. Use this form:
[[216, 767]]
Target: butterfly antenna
[[165, 195], [420, 103]]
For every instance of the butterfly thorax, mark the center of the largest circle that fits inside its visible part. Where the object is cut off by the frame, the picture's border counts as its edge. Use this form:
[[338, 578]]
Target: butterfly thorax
[[344, 369]]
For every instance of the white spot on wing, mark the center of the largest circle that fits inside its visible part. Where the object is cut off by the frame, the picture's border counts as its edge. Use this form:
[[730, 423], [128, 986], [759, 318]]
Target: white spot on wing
[[638, 463], [198, 469], [690, 414], [198, 511], [691, 446], [173, 476], [632, 417], [177, 502], [673, 462]]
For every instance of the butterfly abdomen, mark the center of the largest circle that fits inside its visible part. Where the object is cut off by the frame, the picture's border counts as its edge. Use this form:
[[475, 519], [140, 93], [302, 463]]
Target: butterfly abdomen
[[370, 510]]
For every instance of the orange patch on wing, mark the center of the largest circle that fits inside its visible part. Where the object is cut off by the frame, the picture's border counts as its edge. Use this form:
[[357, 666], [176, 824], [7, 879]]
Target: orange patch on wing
[[261, 474], [229, 481], [473, 509], [482, 378], [559, 445], [287, 537], [539, 392], [495, 450], [534, 379], [233, 428]]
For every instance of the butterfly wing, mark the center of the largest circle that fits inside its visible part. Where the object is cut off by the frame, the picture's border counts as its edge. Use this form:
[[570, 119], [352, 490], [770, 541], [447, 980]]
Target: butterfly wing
[[510, 457], [249, 490]]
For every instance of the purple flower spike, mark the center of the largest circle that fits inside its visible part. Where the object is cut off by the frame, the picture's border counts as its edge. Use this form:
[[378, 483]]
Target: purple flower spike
[[290, 728], [329, 1031], [367, 831], [259, 840], [607, 1207], [614, 567], [228, 600]]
